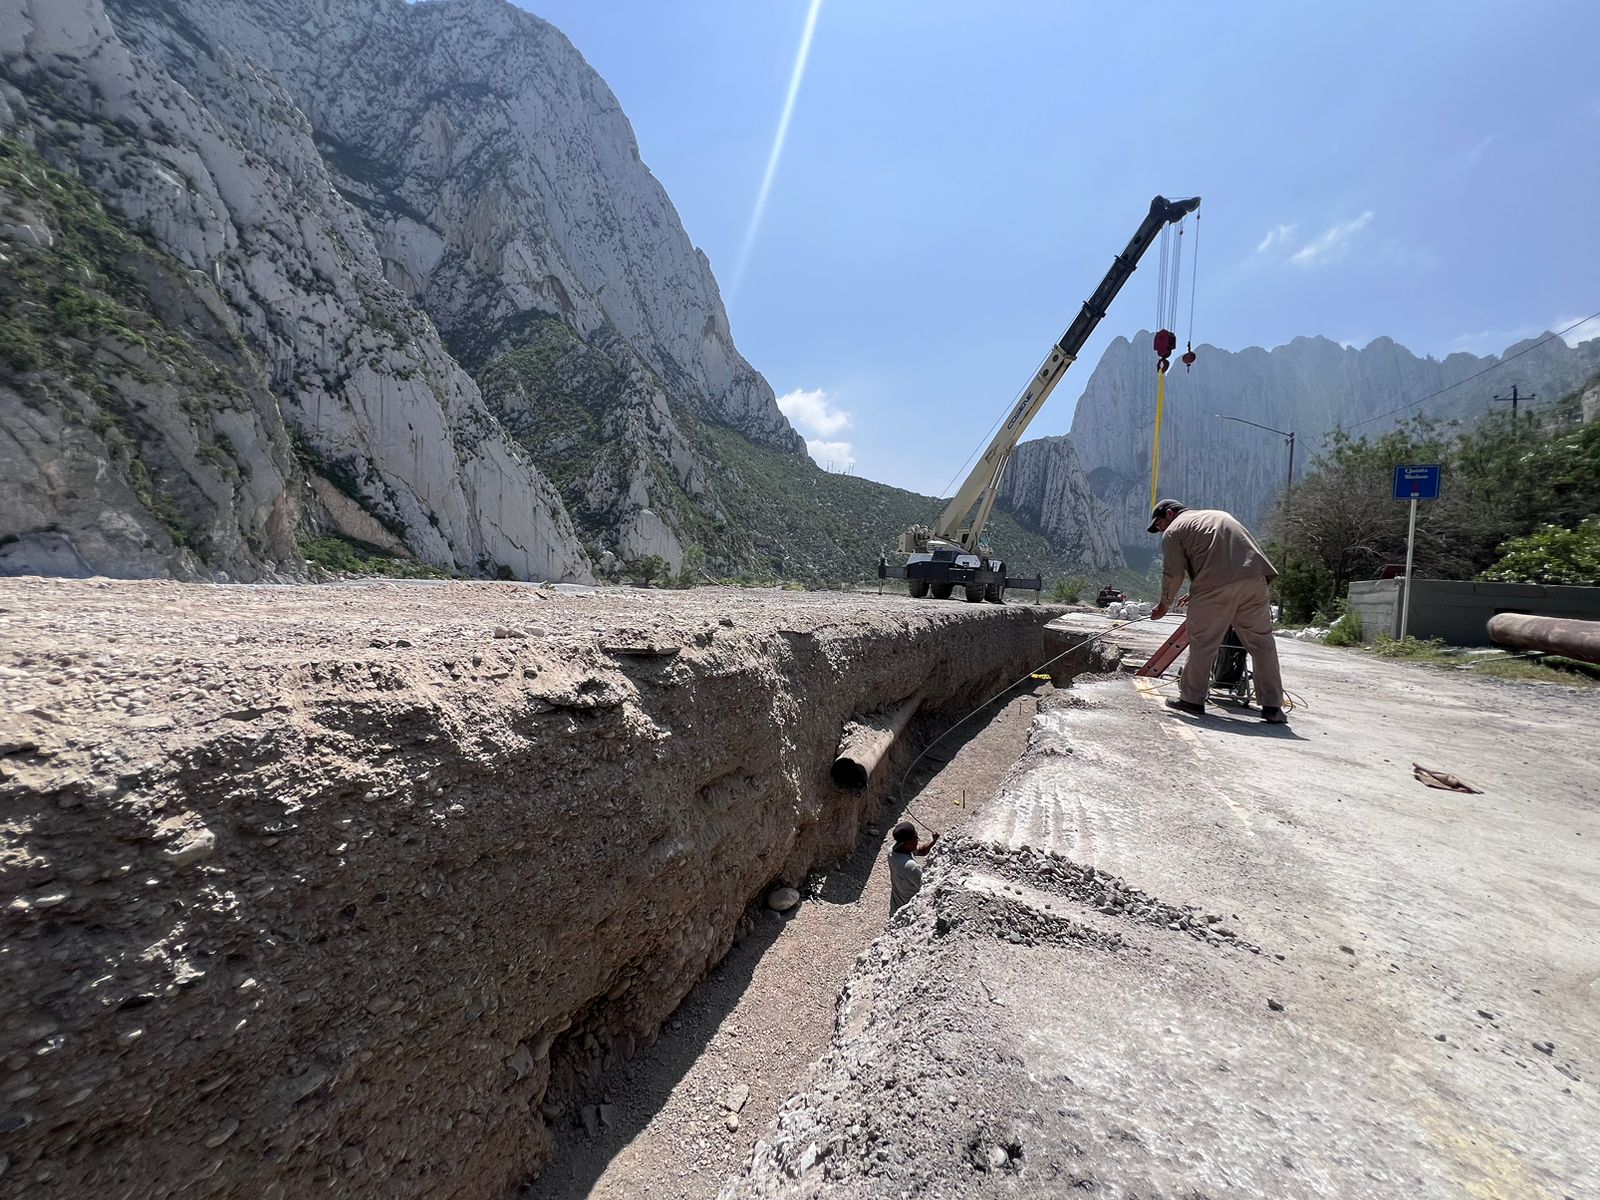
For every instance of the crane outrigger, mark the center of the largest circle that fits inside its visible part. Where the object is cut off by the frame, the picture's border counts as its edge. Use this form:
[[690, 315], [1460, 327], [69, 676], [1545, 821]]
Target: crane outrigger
[[952, 552]]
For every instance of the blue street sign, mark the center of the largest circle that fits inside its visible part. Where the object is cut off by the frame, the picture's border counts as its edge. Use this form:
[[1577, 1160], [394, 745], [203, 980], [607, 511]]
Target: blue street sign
[[1418, 482]]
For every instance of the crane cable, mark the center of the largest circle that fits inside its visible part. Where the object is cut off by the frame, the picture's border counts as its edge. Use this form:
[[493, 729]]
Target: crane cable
[[1194, 279], [1168, 291]]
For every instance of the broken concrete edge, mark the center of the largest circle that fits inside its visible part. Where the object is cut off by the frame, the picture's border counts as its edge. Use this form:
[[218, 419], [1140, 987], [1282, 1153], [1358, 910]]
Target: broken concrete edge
[[419, 910]]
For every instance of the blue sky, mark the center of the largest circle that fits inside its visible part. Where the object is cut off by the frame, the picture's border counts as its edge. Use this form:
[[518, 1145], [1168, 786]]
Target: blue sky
[[956, 177]]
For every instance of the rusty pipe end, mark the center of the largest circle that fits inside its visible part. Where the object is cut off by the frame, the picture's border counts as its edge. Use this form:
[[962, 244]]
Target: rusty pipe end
[[850, 774]]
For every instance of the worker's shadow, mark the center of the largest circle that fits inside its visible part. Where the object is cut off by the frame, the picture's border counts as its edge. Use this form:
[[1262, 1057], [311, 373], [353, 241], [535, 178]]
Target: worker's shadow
[[1244, 724]]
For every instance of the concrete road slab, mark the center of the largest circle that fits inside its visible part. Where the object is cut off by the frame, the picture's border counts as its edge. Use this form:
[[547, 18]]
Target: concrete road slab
[[1406, 1001]]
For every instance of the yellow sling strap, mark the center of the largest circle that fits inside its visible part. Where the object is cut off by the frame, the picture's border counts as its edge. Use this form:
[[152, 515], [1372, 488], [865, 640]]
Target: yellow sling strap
[[1155, 449]]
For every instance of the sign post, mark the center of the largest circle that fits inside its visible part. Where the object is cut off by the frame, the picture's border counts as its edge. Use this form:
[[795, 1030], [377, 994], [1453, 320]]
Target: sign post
[[1414, 483]]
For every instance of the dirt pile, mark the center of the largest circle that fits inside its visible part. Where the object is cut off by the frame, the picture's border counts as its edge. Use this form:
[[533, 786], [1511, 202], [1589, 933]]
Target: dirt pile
[[365, 887]]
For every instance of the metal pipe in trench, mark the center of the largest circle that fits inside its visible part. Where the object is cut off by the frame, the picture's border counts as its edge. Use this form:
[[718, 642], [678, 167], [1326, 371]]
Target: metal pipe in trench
[[867, 738], [1551, 635]]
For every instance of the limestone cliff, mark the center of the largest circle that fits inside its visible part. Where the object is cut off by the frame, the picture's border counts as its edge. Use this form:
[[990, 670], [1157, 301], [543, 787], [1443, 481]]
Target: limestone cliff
[[1046, 490], [504, 192], [221, 177], [1311, 386]]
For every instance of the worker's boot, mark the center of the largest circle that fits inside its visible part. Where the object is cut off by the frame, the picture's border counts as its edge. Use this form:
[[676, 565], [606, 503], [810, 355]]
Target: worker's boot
[[1183, 706], [1274, 716]]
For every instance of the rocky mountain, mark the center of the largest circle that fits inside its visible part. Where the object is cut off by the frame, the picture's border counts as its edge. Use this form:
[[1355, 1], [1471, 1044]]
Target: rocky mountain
[[390, 203], [1311, 386], [389, 276], [126, 456], [1046, 490], [505, 195]]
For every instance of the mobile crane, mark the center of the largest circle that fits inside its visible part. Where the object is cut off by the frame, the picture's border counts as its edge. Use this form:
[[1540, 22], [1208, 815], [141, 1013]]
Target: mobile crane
[[950, 553]]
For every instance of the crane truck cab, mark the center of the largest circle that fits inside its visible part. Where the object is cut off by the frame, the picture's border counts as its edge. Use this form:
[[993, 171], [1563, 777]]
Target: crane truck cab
[[951, 553], [937, 566]]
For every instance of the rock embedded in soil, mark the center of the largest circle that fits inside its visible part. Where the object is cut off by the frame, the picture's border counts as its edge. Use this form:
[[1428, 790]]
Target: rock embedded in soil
[[783, 899]]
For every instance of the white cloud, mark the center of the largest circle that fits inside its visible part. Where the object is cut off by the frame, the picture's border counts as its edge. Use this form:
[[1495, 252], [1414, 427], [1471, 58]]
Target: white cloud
[[1276, 236], [818, 419], [813, 413], [1590, 328], [1331, 244], [834, 456]]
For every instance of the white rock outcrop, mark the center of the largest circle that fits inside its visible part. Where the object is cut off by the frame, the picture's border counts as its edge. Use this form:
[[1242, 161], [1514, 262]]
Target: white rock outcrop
[[1045, 488], [222, 173], [1311, 385], [497, 172]]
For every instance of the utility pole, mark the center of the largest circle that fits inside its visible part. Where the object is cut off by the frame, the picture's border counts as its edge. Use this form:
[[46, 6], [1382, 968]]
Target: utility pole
[[1513, 398], [1288, 487]]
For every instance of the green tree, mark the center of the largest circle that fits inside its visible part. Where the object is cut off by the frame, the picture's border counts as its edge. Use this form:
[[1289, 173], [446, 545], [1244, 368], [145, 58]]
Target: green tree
[[643, 570], [1503, 479], [1551, 555], [1070, 589], [694, 561]]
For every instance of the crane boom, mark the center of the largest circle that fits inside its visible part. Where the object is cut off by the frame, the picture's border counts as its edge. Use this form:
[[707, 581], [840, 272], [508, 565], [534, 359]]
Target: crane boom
[[951, 553], [983, 484]]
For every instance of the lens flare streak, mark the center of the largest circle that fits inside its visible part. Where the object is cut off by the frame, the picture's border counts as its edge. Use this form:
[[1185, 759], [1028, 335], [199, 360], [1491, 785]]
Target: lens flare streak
[[777, 145]]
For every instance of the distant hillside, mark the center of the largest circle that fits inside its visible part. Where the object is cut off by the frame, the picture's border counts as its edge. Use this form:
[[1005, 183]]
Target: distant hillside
[[1311, 386], [836, 526]]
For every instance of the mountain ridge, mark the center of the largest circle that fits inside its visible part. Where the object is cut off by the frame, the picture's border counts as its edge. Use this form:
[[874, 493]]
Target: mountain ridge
[[1311, 385], [469, 310]]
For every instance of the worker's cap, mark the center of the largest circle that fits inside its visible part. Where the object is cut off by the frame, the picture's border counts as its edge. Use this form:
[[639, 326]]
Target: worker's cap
[[904, 831], [1161, 510]]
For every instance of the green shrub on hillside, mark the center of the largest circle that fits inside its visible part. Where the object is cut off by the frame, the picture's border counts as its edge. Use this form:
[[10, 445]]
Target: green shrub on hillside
[[647, 569], [1070, 590], [350, 556]]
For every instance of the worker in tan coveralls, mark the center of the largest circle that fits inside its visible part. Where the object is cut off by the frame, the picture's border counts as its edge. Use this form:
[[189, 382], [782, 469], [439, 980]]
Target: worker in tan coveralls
[[1230, 577]]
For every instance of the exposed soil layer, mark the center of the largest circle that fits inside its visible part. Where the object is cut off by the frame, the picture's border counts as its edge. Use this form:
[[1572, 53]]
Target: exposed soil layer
[[361, 888], [686, 1112]]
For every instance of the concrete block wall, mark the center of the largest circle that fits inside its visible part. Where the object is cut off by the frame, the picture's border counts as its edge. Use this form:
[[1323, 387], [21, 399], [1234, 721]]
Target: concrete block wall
[[1377, 603], [1459, 610]]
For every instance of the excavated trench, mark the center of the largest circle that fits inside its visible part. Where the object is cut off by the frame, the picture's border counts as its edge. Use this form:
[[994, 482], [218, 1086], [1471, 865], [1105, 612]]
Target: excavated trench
[[380, 892]]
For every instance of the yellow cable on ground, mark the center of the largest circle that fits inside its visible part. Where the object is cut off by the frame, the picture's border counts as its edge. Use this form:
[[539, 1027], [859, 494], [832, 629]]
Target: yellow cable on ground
[[1155, 452]]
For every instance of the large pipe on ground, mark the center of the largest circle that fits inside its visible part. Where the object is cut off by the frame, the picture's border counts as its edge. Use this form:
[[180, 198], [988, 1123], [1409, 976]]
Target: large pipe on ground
[[867, 738], [1551, 635]]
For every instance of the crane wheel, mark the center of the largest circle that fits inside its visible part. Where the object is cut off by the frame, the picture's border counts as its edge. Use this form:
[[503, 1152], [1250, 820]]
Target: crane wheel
[[995, 593], [916, 588], [975, 593], [941, 591]]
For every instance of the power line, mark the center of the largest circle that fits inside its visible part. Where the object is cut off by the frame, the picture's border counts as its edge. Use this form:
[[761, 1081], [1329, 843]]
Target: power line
[[1549, 337]]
